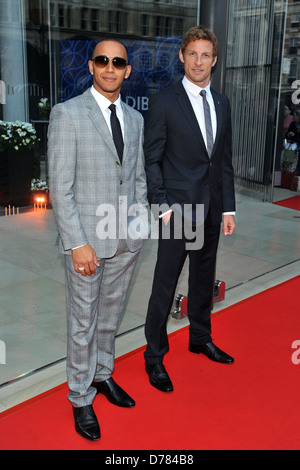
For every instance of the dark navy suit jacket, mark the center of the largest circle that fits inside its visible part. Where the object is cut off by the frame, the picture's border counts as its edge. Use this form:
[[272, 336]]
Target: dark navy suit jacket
[[178, 168]]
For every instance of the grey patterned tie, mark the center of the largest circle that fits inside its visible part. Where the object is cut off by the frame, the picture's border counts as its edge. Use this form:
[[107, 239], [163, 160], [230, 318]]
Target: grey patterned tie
[[208, 125]]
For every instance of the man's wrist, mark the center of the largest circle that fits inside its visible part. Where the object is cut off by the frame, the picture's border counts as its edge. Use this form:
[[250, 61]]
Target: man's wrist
[[79, 246]]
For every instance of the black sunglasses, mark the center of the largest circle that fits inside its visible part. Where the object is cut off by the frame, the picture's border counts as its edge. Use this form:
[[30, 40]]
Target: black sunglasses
[[102, 61]]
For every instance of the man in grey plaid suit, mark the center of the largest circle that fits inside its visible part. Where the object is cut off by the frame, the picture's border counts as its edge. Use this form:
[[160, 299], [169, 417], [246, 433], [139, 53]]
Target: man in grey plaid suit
[[93, 189]]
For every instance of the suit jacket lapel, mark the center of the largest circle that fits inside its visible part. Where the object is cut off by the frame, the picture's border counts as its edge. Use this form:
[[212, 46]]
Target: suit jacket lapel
[[188, 111], [187, 108], [127, 130], [99, 122], [218, 109]]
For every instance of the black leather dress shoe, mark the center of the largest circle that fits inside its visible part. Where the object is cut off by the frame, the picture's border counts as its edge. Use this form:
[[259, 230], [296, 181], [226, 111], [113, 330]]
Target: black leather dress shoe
[[212, 352], [114, 393], [159, 377], [86, 423]]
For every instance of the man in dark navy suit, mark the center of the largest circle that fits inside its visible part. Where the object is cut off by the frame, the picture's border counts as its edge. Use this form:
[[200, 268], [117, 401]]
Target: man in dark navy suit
[[189, 165]]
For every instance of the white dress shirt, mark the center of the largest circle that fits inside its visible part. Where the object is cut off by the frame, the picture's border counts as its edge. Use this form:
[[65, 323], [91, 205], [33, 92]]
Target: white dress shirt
[[104, 104]]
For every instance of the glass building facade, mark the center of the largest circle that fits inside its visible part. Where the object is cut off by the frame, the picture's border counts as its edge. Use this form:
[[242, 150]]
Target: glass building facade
[[45, 46]]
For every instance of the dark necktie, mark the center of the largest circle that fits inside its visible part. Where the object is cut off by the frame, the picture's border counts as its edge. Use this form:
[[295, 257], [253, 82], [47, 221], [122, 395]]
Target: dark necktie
[[116, 131], [208, 125]]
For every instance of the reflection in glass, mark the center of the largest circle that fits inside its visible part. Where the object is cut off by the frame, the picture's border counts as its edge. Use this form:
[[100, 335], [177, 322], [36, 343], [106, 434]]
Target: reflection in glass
[[45, 46]]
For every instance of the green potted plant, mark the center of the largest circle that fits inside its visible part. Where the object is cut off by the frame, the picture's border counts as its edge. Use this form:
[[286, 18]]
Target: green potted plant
[[17, 141]]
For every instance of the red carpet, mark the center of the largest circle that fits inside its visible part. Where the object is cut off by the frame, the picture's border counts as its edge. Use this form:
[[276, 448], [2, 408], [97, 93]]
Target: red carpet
[[251, 404], [291, 203]]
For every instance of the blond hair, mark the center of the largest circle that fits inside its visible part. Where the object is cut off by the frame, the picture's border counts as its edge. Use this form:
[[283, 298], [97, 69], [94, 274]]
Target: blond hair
[[199, 32]]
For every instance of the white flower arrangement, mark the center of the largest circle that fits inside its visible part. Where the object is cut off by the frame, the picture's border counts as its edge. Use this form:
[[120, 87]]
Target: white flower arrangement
[[44, 108], [38, 185], [17, 135], [44, 104]]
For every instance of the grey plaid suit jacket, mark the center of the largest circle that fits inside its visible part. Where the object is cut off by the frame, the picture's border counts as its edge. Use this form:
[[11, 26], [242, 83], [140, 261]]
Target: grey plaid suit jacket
[[87, 180]]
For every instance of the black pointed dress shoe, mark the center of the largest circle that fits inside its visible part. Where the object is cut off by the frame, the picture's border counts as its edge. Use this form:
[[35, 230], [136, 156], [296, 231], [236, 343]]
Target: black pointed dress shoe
[[114, 393], [86, 423], [158, 377], [212, 352]]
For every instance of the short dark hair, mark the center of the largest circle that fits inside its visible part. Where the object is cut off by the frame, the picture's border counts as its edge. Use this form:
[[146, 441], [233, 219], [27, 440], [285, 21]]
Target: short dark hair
[[199, 32], [110, 40]]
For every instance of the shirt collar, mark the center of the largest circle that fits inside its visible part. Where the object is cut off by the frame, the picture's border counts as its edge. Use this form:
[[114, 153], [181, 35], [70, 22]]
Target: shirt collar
[[192, 88], [104, 102]]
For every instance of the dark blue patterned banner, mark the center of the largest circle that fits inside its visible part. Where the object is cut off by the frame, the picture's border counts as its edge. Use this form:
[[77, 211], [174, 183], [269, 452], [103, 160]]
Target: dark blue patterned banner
[[155, 65]]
